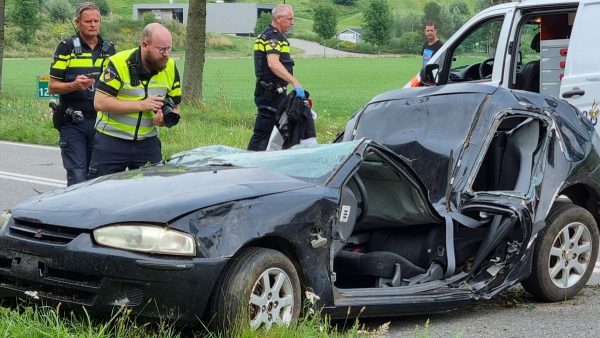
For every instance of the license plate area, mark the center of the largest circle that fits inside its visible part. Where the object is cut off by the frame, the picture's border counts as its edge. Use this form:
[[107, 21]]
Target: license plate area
[[28, 266]]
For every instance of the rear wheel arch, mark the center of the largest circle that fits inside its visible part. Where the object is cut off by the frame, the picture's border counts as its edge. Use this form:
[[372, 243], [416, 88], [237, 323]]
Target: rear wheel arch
[[585, 197], [563, 261]]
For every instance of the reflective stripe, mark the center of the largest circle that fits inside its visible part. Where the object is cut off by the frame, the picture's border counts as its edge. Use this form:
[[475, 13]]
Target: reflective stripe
[[157, 91], [124, 125], [133, 126], [135, 93]]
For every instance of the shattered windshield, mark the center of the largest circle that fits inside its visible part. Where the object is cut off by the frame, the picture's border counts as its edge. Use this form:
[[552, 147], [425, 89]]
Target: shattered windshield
[[313, 163]]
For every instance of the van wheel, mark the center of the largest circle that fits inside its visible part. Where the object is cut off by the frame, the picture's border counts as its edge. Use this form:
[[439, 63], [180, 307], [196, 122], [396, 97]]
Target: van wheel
[[259, 288], [565, 254]]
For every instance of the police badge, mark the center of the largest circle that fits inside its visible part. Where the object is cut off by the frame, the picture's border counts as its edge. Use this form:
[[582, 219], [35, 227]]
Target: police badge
[[109, 74]]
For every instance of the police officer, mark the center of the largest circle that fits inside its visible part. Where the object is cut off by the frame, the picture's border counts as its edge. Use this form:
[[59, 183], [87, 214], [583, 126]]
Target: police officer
[[131, 97], [77, 63], [273, 67]]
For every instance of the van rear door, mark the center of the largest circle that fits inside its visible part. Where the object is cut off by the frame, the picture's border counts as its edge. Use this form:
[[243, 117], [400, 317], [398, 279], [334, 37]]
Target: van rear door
[[580, 85]]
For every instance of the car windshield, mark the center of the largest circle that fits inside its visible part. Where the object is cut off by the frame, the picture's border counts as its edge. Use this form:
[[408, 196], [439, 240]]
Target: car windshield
[[312, 163]]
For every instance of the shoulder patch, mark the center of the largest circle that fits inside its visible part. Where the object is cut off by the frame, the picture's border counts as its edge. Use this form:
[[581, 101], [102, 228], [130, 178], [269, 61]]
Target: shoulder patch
[[108, 74], [273, 42]]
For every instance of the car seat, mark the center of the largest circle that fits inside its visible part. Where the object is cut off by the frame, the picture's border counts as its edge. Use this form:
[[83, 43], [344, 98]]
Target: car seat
[[530, 74]]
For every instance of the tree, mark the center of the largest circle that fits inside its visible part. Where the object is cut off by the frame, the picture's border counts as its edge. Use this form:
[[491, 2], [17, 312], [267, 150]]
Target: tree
[[1, 40], [378, 23], [102, 4], [263, 21], [26, 17], [455, 14], [483, 4], [324, 21], [195, 38], [59, 10], [433, 12], [407, 22]]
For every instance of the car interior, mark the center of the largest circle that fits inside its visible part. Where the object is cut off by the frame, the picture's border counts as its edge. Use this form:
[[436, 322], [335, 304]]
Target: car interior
[[543, 42], [388, 238], [473, 58]]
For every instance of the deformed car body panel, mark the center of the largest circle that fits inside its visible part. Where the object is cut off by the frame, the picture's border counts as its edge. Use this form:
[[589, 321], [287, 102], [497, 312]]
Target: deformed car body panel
[[424, 159]]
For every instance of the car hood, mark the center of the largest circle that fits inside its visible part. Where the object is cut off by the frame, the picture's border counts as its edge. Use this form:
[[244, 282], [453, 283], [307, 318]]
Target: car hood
[[155, 194]]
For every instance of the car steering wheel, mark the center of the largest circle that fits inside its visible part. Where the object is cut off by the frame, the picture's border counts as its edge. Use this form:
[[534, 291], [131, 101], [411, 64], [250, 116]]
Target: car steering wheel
[[362, 204], [482, 67]]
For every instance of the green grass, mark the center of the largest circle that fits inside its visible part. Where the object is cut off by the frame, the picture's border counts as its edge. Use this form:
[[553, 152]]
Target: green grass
[[338, 86]]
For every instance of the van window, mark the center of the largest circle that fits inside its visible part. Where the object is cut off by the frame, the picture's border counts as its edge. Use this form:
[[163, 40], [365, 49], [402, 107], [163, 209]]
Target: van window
[[543, 41], [473, 58]]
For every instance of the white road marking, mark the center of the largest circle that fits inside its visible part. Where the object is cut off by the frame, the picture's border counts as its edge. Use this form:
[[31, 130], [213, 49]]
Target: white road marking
[[33, 179], [29, 145]]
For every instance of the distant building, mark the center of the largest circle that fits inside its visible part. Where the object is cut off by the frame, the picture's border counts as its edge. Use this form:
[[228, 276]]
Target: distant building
[[227, 18], [162, 12], [353, 35]]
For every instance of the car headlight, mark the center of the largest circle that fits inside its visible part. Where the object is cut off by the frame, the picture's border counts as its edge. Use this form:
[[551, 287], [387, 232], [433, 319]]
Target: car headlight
[[4, 218], [146, 238]]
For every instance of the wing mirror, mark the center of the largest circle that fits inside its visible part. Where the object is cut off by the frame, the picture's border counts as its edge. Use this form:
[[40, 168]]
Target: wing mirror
[[429, 74]]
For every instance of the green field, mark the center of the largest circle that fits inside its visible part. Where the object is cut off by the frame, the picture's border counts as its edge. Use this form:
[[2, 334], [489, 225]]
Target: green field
[[338, 86]]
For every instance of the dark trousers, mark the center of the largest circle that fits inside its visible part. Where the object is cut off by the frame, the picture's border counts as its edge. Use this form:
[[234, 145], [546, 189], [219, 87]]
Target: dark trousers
[[76, 141], [267, 103], [112, 154]]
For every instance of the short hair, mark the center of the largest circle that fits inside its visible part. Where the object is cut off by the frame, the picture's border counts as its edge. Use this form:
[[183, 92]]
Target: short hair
[[279, 10], [86, 6], [430, 23]]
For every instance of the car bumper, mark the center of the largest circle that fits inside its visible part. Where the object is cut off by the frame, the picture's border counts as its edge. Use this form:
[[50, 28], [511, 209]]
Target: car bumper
[[80, 273]]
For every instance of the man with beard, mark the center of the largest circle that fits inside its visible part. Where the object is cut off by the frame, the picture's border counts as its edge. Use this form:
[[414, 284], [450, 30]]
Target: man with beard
[[130, 97], [77, 62]]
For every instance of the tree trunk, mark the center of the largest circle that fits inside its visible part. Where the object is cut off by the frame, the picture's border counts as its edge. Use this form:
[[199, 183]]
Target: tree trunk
[[195, 52], [1, 40]]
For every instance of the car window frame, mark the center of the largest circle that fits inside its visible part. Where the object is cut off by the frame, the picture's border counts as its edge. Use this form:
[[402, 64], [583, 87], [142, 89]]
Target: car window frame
[[537, 166]]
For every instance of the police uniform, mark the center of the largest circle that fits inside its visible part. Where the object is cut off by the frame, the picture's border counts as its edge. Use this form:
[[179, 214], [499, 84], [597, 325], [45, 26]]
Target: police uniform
[[270, 90], [74, 57], [130, 140]]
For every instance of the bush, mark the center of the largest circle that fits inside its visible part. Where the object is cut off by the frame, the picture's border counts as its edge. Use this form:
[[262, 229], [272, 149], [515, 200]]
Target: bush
[[361, 47], [344, 2], [408, 43], [263, 21]]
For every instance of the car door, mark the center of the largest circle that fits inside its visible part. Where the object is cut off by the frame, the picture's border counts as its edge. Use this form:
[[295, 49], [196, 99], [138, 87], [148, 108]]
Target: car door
[[580, 85]]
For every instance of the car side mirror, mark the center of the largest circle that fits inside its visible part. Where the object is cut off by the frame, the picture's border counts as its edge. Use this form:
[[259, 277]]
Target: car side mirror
[[429, 74]]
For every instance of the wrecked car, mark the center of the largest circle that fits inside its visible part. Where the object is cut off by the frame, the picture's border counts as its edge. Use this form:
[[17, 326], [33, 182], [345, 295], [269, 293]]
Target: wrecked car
[[437, 198]]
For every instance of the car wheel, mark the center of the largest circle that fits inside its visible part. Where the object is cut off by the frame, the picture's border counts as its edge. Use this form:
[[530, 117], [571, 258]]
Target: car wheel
[[260, 288], [565, 254]]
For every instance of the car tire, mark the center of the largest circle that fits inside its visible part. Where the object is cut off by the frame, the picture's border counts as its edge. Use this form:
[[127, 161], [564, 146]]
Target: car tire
[[565, 254], [243, 297]]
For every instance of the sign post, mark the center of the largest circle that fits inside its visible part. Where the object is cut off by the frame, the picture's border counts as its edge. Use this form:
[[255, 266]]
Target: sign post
[[42, 87]]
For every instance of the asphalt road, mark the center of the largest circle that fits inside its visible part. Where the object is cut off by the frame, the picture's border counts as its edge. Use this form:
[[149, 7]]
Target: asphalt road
[[27, 170]]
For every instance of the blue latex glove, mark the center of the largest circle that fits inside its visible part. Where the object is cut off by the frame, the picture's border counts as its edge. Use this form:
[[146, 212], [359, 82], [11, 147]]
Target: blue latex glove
[[299, 92]]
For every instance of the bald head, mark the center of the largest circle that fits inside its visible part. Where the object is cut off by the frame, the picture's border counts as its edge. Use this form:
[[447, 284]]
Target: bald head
[[156, 46], [155, 29]]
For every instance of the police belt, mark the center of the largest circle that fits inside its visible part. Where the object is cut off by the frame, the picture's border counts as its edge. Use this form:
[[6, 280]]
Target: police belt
[[272, 86]]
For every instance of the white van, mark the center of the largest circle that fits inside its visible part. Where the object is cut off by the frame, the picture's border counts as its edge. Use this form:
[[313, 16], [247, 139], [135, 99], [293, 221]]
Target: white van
[[546, 46]]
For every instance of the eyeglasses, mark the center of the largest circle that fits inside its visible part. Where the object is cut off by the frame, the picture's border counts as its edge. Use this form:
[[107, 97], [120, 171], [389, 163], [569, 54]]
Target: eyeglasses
[[161, 50]]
